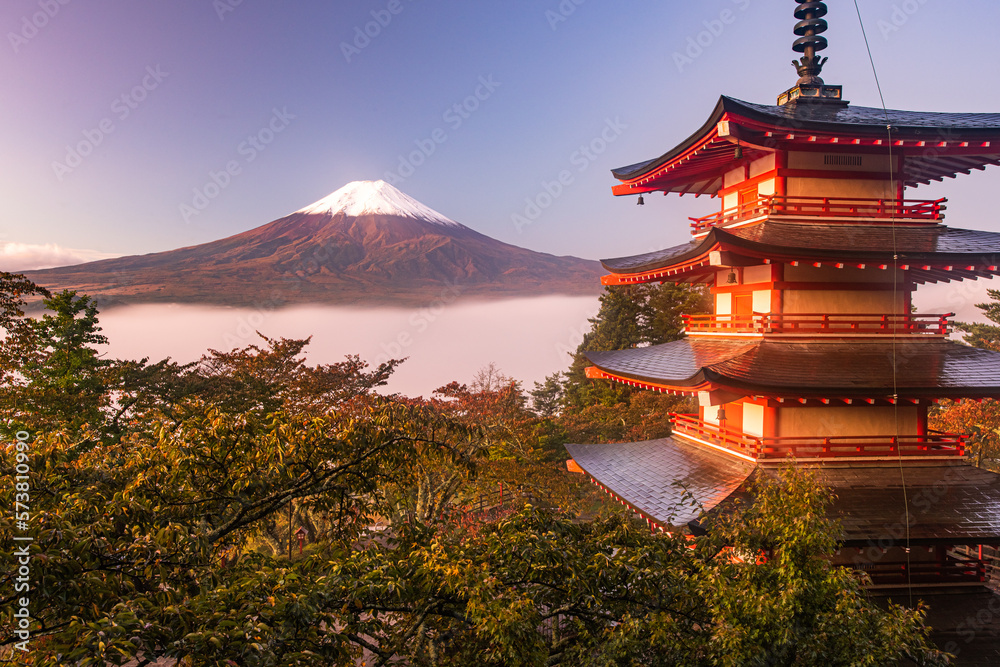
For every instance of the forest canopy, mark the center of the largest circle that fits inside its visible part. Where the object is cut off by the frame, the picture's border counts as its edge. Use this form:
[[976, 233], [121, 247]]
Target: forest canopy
[[444, 530]]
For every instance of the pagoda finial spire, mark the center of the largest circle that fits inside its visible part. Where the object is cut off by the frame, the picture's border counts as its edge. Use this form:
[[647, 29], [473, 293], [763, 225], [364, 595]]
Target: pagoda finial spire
[[810, 87], [809, 28]]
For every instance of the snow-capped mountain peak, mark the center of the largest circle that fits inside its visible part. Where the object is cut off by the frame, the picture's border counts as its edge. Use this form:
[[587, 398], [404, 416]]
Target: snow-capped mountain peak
[[375, 198]]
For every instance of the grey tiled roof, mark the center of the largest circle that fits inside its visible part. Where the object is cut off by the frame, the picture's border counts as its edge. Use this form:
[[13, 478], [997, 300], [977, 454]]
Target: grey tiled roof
[[814, 368], [821, 116], [947, 503], [862, 121], [657, 476], [673, 482], [679, 361], [817, 241]]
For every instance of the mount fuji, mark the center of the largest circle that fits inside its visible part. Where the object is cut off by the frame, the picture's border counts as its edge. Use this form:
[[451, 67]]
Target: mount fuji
[[365, 244]]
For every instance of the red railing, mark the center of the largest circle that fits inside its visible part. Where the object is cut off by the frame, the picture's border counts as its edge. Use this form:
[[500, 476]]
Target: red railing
[[738, 441], [908, 210], [816, 323], [932, 444]]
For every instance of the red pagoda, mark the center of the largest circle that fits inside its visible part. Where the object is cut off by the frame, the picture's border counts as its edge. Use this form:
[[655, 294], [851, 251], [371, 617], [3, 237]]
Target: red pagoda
[[813, 350]]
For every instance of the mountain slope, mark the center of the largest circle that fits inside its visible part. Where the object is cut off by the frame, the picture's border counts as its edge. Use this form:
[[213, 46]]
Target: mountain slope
[[365, 244]]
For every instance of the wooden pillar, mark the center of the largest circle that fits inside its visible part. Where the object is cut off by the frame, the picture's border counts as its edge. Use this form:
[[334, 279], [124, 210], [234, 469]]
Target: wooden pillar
[[770, 420], [900, 183], [780, 180], [922, 419]]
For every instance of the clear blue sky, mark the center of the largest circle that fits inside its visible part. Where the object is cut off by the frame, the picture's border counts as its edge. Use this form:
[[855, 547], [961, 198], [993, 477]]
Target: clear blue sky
[[201, 76]]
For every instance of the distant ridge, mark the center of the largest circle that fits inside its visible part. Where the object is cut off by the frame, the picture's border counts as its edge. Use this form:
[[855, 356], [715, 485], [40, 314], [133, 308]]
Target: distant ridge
[[366, 244]]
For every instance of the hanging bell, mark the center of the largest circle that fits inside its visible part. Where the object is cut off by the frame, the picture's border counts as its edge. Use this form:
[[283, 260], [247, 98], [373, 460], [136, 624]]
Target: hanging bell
[[732, 279], [722, 413], [739, 151], [641, 202]]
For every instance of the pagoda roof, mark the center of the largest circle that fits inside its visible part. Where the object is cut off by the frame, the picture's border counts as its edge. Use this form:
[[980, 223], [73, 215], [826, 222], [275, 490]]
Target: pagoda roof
[[859, 369], [934, 145], [946, 253], [667, 480], [951, 503]]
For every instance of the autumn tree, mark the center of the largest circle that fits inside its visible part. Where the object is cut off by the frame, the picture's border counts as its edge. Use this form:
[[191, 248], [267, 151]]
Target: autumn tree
[[542, 589], [981, 420], [630, 316], [145, 543]]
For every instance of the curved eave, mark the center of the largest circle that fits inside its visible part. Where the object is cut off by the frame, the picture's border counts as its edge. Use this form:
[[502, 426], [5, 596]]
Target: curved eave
[[885, 394], [667, 482], [826, 370], [689, 387], [933, 145], [634, 172], [717, 383], [694, 261]]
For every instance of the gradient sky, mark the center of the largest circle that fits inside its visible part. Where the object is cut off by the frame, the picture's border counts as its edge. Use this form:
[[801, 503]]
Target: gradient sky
[[561, 71]]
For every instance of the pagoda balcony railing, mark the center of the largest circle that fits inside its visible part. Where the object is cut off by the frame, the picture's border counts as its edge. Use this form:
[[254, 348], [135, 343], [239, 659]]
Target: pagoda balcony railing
[[952, 571], [933, 444], [820, 323], [905, 210]]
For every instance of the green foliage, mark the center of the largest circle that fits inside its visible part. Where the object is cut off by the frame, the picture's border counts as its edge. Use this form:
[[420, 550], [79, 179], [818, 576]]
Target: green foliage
[[777, 600], [547, 397], [630, 316], [981, 421], [153, 505], [985, 336], [541, 589], [62, 377]]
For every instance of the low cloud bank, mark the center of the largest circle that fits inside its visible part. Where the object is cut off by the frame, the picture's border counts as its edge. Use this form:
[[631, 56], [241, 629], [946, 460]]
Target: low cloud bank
[[15, 257]]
